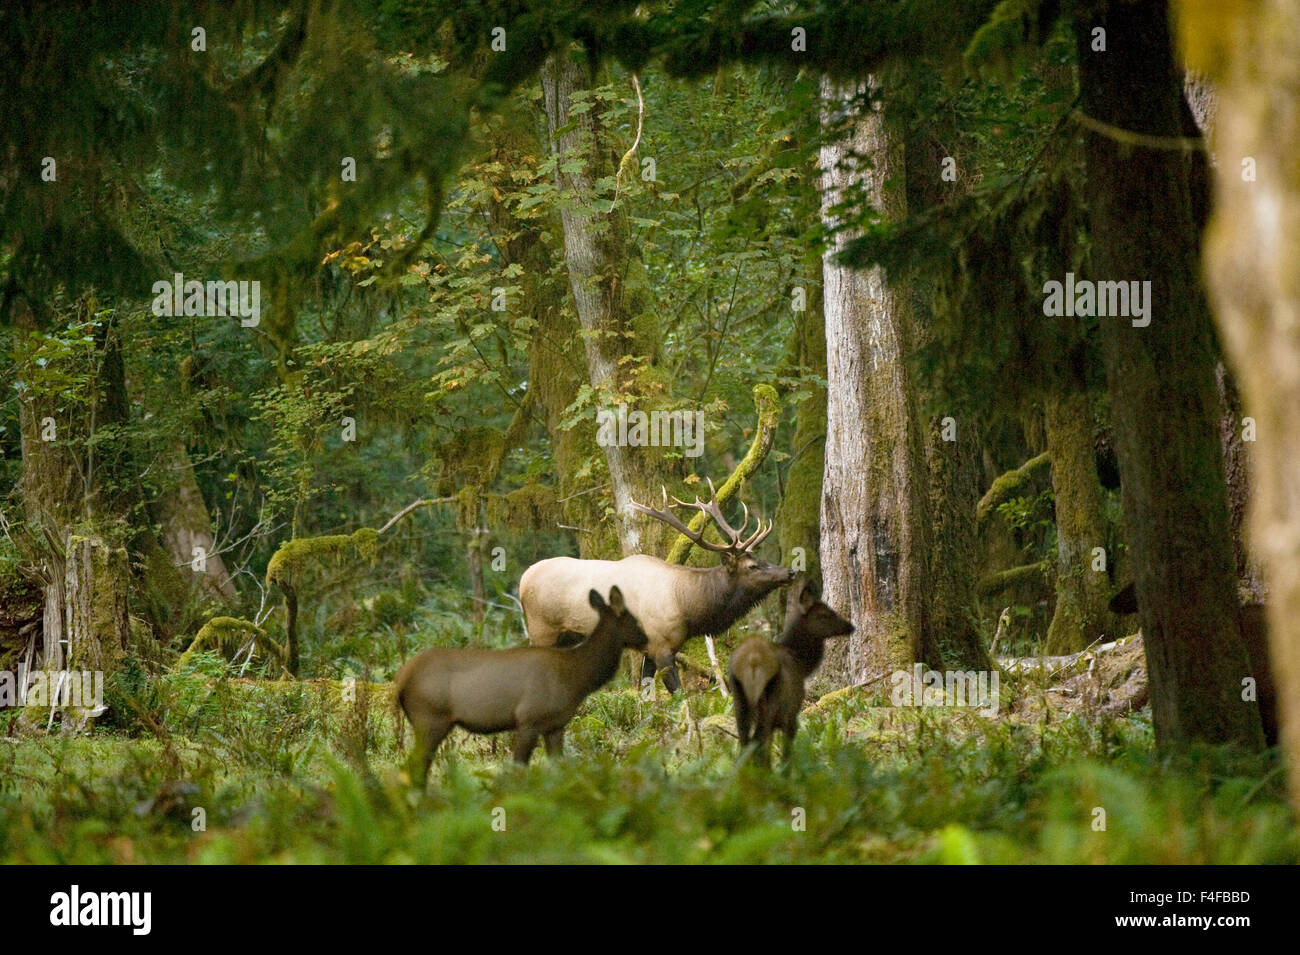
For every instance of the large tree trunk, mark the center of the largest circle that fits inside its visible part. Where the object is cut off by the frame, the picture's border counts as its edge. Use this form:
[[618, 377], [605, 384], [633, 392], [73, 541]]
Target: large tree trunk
[[952, 457], [873, 538], [96, 581], [953, 493], [1161, 378], [597, 253], [1252, 249], [1082, 589], [85, 578], [51, 493]]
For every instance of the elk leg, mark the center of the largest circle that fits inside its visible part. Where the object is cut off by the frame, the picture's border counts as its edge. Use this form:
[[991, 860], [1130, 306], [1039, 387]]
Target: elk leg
[[744, 713], [789, 744], [669, 666], [428, 737], [763, 740], [555, 742], [525, 741]]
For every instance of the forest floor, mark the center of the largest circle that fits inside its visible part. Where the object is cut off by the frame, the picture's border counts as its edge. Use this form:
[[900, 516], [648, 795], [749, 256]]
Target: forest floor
[[211, 768]]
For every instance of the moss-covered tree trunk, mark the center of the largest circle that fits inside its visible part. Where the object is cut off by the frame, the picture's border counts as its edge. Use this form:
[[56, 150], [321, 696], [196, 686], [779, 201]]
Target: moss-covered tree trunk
[[186, 525], [798, 519], [96, 582], [953, 493], [1164, 408], [597, 254], [952, 458], [556, 356], [874, 542], [85, 579], [1252, 248], [1082, 584]]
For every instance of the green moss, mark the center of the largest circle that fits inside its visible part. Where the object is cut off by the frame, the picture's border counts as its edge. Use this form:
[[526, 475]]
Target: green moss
[[1005, 485], [467, 500], [365, 541], [767, 404], [531, 507], [229, 635], [288, 561]]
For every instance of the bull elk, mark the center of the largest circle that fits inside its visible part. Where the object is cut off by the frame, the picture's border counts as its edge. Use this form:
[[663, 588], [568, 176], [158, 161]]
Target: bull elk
[[673, 603], [767, 680], [532, 690]]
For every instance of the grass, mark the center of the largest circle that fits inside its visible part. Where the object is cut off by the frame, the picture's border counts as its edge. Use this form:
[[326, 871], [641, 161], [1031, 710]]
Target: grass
[[205, 767]]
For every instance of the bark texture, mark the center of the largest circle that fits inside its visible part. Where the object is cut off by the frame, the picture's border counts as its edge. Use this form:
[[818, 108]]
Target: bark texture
[[1082, 589], [597, 253], [1252, 248], [873, 541], [800, 513], [183, 516], [1164, 406], [556, 356]]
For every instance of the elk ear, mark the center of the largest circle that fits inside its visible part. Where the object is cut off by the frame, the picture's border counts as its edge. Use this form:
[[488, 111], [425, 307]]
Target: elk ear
[[616, 601], [596, 600], [809, 594]]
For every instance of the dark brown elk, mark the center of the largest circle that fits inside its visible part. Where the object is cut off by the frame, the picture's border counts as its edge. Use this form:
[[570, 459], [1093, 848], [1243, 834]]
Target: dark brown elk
[[532, 690], [767, 680], [672, 602]]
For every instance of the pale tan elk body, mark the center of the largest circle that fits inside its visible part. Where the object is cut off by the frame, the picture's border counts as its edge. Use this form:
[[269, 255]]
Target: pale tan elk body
[[673, 603], [767, 679], [532, 690]]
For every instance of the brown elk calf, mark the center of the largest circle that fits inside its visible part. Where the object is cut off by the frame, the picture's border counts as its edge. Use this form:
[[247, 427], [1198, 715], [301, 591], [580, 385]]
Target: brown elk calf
[[532, 690], [767, 680]]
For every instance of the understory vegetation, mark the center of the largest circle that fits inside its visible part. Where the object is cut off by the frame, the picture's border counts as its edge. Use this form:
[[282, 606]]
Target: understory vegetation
[[205, 765]]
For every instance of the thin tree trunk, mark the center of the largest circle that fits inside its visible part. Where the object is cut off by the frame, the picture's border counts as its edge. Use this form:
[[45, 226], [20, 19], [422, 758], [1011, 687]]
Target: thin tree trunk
[[1251, 255], [556, 356], [873, 543], [597, 253], [474, 555], [1082, 586], [1164, 407], [800, 512]]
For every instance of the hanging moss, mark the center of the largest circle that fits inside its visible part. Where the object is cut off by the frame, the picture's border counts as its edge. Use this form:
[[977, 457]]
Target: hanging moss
[[467, 500], [471, 457], [532, 507], [365, 541], [768, 406], [229, 635], [287, 562]]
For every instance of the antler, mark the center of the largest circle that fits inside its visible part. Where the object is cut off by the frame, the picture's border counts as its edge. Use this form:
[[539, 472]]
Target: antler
[[736, 547]]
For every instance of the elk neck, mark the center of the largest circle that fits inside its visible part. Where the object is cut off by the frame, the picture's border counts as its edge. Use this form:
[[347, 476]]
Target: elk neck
[[805, 650], [595, 660], [713, 601]]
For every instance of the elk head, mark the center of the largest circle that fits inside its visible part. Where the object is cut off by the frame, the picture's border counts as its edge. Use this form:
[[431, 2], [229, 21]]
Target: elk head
[[750, 573]]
